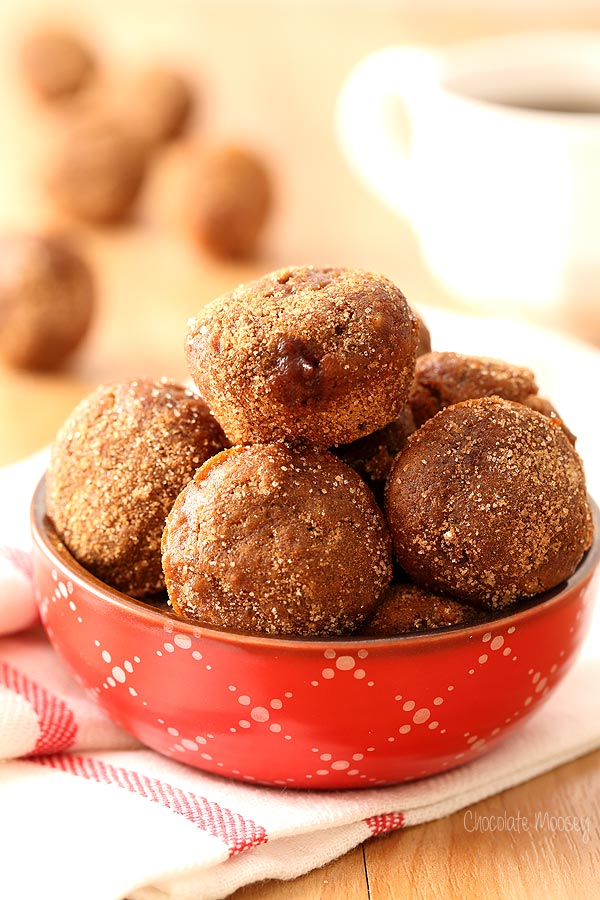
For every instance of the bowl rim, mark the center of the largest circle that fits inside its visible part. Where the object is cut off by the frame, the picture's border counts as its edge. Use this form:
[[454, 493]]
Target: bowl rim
[[49, 543]]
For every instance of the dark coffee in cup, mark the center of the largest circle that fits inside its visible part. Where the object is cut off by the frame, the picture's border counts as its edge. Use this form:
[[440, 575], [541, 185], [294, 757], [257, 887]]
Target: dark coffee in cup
[[587, 106]]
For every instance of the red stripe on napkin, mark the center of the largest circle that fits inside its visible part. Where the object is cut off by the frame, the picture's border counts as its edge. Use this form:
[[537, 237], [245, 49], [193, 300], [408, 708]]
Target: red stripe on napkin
[[384, 823], [58, 728], [236, 832], [20, 559]]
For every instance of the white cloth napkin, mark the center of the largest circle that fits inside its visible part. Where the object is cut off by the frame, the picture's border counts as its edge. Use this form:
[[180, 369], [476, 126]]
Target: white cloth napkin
[[86, 812]]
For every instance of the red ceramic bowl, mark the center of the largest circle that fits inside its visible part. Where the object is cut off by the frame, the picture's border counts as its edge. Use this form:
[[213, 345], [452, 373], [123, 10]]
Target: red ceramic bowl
[[339, 713]]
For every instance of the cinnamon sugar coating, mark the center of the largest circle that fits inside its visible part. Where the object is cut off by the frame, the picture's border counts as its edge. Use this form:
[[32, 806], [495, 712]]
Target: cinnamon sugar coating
[[47, 300], [487, 503], [534, 401], [406, 608], [117, 466], [276, 539], [442, 379], [372, 456], [324, 355]]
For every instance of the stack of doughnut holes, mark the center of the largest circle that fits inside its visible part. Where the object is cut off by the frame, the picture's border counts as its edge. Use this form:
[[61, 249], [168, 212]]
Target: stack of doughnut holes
[[330, 475]]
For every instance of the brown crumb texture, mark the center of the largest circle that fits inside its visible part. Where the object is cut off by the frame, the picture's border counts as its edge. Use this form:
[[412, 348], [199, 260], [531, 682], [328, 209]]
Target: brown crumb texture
[[442, 379], [276, 539], [372, 456], [534, 401], [47, 301], [117, 466], [325, 355], [405, 608], [487, 503]]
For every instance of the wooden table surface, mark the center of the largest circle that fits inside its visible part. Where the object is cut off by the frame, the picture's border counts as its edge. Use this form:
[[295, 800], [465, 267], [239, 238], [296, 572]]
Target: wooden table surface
[[268, 75]]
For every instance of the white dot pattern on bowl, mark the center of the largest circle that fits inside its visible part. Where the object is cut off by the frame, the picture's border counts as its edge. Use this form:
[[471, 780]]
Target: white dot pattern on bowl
[[343, 663], [262, 712], [494, 643], [183, 641]]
